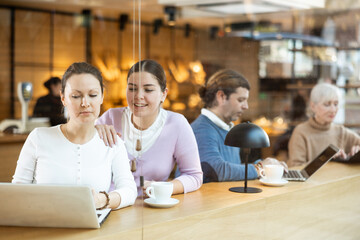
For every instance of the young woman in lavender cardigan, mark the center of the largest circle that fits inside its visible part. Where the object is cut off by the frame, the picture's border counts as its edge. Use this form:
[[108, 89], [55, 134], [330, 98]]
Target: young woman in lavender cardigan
[[155, 139]]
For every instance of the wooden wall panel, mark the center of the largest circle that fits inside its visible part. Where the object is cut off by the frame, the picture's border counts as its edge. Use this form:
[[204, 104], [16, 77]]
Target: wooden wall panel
[[32, 53], [234, 53], [184, 46], [129, 47], [32, 38], [69, 42], [105, 55], [5, 87], [160, 46], [211, 50], [115, 46]]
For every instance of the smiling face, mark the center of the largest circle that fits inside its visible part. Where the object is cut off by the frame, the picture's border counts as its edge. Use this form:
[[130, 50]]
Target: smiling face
[[232, 108], [325, 111], [82, 97], [144, 97]]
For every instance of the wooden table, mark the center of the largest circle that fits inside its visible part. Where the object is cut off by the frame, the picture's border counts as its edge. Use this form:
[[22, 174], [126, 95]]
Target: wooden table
[[325, 207]]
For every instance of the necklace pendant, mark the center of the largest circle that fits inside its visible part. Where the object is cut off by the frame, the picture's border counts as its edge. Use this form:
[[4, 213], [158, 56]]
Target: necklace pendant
[[133, 165], [138, 145]]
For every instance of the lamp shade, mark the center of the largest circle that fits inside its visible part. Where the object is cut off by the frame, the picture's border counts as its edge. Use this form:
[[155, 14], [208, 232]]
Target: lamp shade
[[247, 135]]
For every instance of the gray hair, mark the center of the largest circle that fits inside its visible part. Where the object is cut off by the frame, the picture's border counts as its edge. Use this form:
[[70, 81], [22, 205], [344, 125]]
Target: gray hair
[[324, 92]]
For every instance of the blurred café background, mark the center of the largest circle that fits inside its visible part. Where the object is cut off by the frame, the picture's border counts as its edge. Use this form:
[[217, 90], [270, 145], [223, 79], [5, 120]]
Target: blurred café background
[[282, 47]]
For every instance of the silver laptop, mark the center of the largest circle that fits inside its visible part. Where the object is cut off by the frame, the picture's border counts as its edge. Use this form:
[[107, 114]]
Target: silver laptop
[[313, 166], [38, 205]]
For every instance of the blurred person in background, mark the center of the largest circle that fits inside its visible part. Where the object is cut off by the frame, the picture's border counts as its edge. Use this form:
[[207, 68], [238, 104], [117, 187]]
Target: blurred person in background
[[50, 106]]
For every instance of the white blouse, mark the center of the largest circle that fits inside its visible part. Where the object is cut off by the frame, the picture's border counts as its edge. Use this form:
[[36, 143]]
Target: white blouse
[[147, 136], [49, 157]]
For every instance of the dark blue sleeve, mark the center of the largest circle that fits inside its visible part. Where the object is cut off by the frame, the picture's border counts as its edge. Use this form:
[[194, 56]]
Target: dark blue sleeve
[[217, 158]]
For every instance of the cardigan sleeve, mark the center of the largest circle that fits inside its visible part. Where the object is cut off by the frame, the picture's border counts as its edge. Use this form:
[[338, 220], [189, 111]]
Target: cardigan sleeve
[[122, 177], [111, 117], [297, 149], [106, 118], [212, 153], [187, 158], [26, 164]]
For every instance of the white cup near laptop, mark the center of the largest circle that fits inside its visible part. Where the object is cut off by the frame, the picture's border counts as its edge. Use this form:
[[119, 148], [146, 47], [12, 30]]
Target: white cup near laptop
[[160, 192], [272, 175]]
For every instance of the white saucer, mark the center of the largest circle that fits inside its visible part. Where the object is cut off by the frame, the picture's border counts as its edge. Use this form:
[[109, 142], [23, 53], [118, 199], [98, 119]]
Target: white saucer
[[152, 203], [280, 183]]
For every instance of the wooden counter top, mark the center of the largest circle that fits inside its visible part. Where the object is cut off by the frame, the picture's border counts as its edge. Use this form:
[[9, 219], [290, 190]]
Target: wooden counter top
[[324, 207], [12, 138], [10, 147]]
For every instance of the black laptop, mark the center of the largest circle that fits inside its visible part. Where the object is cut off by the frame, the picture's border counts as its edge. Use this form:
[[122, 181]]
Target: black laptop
[[313, 166], [353, 159]]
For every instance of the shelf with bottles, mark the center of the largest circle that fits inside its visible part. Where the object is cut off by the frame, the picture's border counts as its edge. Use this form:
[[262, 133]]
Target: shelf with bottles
[[282, 84], [294, 60], [297, 86]]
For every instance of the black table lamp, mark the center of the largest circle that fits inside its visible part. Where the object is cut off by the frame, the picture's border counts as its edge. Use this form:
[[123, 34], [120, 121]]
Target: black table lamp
[[246, 136]]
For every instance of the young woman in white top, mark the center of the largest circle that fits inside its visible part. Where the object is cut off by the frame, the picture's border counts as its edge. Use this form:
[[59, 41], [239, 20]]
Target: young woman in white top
[[73, 153]]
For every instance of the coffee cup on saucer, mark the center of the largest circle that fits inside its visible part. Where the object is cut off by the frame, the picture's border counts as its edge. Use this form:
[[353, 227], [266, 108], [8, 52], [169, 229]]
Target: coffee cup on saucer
[[272, 173], [160, 192]]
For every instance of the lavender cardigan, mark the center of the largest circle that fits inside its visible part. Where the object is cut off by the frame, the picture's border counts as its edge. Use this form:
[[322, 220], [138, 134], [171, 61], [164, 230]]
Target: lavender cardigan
[[175, 144]]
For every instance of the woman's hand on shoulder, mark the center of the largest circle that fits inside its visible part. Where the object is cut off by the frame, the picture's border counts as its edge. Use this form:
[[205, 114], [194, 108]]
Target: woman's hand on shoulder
[[108, 134]]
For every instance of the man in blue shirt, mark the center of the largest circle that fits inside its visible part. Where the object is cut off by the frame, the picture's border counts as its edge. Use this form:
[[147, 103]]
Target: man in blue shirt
[[225, 96]]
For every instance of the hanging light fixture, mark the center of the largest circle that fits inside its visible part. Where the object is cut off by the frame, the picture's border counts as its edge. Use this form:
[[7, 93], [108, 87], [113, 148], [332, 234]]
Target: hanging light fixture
[[213, 31], [156, 25], [123, 19], [86, 18], [170, 13], [187, 30]]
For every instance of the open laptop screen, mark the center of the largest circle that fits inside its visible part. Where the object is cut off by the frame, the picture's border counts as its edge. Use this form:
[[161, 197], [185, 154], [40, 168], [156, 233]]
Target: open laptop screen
[[320, 160]]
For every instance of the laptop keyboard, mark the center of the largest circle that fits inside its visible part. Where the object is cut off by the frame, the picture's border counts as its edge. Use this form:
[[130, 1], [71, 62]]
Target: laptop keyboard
[[293, 174]]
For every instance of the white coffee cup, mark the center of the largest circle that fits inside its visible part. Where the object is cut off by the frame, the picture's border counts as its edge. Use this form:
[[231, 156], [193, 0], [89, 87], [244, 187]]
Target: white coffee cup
[[272, 173], [160, 191]]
